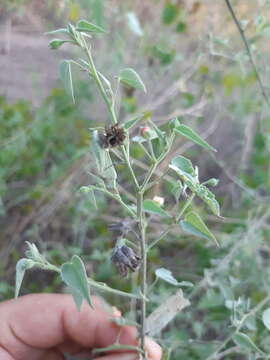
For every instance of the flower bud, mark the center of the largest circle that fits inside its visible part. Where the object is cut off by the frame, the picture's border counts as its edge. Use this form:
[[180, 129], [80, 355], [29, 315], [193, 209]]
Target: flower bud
[[159, 200], [145, 132], [211, 182]]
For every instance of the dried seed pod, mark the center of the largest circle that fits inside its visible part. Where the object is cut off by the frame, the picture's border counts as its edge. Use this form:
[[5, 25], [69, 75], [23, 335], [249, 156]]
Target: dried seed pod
[[124, 258], [121, 228], [112, 137]]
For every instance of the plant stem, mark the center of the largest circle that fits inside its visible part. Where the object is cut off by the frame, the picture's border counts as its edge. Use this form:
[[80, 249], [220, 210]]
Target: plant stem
[[249, 53], [135, 181], [116, 347], [163, 234], [142, 225], [157, 162], [110, 106], [96, 77]]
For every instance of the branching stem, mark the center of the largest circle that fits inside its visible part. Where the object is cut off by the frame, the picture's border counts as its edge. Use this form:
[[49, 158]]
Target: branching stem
[[245, 41], [142, 226]]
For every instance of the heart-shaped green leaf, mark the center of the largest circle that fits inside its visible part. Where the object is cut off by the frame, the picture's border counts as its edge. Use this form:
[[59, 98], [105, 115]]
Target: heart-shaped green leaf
[[150, 206], [129, 77], [194, 225], [74, 275], [183, 167]]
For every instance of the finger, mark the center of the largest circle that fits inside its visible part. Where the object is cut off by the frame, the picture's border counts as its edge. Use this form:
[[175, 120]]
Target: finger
[[153, 350], [43, 321], [5, 355], [47, 320], [119, 357]]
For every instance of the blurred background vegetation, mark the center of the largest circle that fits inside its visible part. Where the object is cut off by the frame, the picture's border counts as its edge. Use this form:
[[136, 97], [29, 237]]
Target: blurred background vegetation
[[190, 55]]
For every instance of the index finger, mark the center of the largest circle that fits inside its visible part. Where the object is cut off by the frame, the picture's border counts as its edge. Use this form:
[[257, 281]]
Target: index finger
[[45, 321]]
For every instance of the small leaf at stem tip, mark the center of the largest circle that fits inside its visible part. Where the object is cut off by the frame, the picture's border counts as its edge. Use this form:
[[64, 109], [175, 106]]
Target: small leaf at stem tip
[[56, 43], [190, 134], [129, 77], [152, 207], [86, 26], [244, 341], [73, 273], [194, 225]]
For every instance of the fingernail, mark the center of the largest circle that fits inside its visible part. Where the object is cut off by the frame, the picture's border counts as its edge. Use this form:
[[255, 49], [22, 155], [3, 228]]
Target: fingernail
[[152, 348], [116, 312]]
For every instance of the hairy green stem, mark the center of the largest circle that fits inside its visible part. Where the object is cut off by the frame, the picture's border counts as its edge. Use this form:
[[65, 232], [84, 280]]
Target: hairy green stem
[[142, 225], [98, 81], [116, 347], [140, 213], [157, 162], [110, 106], [162, 235], [95, 284], [245, 41], [127, 159]]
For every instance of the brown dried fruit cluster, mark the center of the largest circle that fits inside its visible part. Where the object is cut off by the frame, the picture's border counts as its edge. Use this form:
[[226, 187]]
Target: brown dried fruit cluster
[[112, 137], [124, 258]]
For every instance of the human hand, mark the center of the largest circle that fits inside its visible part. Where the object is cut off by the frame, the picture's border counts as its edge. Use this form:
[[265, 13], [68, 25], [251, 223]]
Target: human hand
[[47, 326]]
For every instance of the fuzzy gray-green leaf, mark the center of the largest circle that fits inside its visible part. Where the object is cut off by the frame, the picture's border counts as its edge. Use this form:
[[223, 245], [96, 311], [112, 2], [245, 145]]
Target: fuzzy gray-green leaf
[[66, 77], [74, 275], [150, 206], [86, 26], [21, 267], [190, 134], [129, 77], [194, 225]]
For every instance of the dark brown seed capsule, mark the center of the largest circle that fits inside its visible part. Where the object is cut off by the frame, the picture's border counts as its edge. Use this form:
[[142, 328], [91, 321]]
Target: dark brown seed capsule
[[124, 258], [112, 137]]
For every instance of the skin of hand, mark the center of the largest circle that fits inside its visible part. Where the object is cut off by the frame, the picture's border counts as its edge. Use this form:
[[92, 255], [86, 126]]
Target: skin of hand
[[45, 326]]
